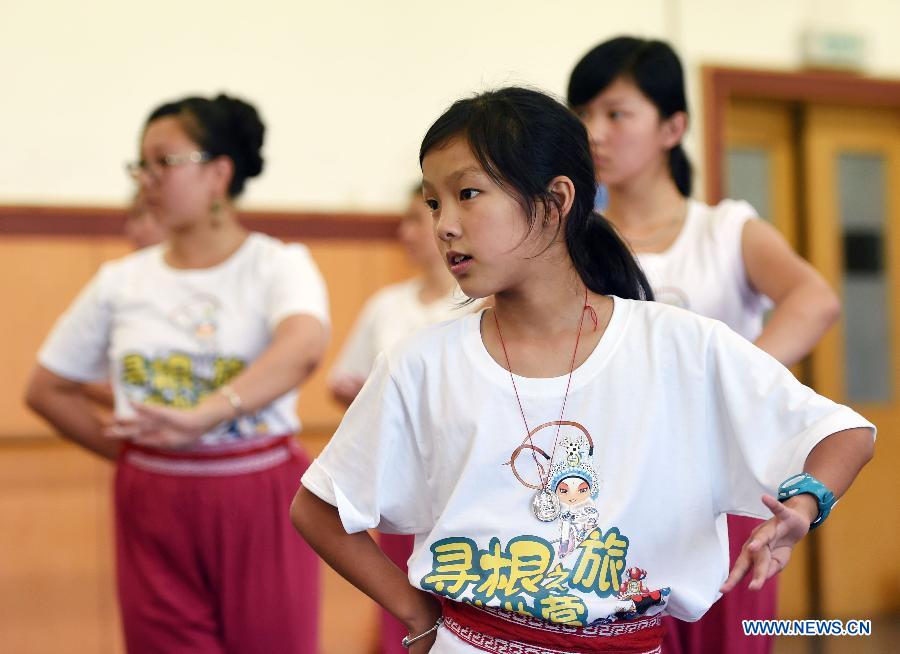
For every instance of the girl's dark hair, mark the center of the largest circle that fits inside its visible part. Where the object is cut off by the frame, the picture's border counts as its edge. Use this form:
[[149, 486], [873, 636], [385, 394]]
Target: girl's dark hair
[[223, 126], [524, 139], [654, 68]]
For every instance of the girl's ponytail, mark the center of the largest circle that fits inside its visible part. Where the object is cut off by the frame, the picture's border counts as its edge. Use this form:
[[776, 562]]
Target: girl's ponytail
[[602, 259]]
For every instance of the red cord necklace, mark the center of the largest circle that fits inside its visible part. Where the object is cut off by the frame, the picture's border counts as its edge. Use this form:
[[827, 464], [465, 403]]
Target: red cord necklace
[[545, 504]]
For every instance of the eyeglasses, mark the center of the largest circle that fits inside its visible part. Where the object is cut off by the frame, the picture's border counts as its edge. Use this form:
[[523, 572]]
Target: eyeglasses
[[155, 167]]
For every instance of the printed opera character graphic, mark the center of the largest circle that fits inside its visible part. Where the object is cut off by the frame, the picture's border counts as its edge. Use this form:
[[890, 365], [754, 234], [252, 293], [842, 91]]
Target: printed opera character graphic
[[567, 483], [199, 318], [634, 590], [575, 484]]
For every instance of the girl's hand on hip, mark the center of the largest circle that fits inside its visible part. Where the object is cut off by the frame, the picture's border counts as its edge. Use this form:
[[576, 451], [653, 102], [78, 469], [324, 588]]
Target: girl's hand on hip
[[769, 547], [429, 613], [423, 646]]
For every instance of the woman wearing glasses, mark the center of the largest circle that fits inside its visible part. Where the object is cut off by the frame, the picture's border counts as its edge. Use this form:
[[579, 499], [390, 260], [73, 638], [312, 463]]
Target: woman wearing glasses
[[205, 338]]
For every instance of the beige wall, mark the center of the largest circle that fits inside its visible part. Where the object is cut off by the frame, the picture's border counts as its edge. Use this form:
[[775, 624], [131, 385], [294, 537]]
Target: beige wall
[[347, 88]]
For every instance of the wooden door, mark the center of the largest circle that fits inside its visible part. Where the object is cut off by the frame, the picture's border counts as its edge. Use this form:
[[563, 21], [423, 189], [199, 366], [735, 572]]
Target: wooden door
[[851, 159], [829, 178]]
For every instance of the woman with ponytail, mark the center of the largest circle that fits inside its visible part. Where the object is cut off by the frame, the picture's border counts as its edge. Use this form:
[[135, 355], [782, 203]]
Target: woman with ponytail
[[719, 261], [563, 456], [205, 339]]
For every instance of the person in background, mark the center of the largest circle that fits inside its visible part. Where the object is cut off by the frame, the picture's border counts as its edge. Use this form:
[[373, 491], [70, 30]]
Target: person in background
[[205, 338], [719, 261], [398, 310], [142, 228]]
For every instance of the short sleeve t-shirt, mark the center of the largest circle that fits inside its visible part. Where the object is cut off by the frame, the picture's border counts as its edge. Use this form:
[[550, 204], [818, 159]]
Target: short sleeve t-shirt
[[171, 336], [672, 421]]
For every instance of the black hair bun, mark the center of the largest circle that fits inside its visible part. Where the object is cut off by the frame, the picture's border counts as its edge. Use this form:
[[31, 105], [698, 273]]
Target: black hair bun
[[223, 126], [248, 133]]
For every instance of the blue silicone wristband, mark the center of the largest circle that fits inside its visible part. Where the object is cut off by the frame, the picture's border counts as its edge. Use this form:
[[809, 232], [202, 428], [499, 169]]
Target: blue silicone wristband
[[806, 483]]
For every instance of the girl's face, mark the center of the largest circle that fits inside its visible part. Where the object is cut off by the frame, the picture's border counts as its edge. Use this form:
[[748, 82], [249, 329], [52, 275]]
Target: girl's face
[[416, 232], [628, 138], [479, 227], [182, 194], [572, 491]]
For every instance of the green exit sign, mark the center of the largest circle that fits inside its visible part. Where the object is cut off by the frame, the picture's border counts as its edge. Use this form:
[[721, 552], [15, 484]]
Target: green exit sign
[[842, 50]]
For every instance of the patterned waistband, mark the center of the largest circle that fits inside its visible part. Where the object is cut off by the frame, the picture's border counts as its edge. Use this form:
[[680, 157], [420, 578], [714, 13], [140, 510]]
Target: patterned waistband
[[211, 464], [503, 632]]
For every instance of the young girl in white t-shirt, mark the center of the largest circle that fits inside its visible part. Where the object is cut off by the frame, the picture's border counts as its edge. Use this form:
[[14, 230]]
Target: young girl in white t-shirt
[[474, 434], [719, 261]]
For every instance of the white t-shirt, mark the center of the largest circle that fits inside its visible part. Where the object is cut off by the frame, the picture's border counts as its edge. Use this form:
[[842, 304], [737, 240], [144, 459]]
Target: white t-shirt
[[687, 421], [169, 336], [703, 270], [388, 317]]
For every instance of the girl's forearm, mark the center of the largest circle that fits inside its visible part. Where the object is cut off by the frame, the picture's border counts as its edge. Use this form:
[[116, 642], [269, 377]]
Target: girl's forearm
[[358, 559], [799, 322], [837, 460]]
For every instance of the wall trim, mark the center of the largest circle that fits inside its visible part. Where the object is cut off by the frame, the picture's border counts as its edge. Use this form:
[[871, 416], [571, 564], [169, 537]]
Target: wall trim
[[92, 222]]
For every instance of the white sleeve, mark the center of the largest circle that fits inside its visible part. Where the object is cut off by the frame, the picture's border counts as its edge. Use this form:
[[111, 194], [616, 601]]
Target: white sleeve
[[766, 422], [358, 353], [295, 287], [77, 346], [372, 470]]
